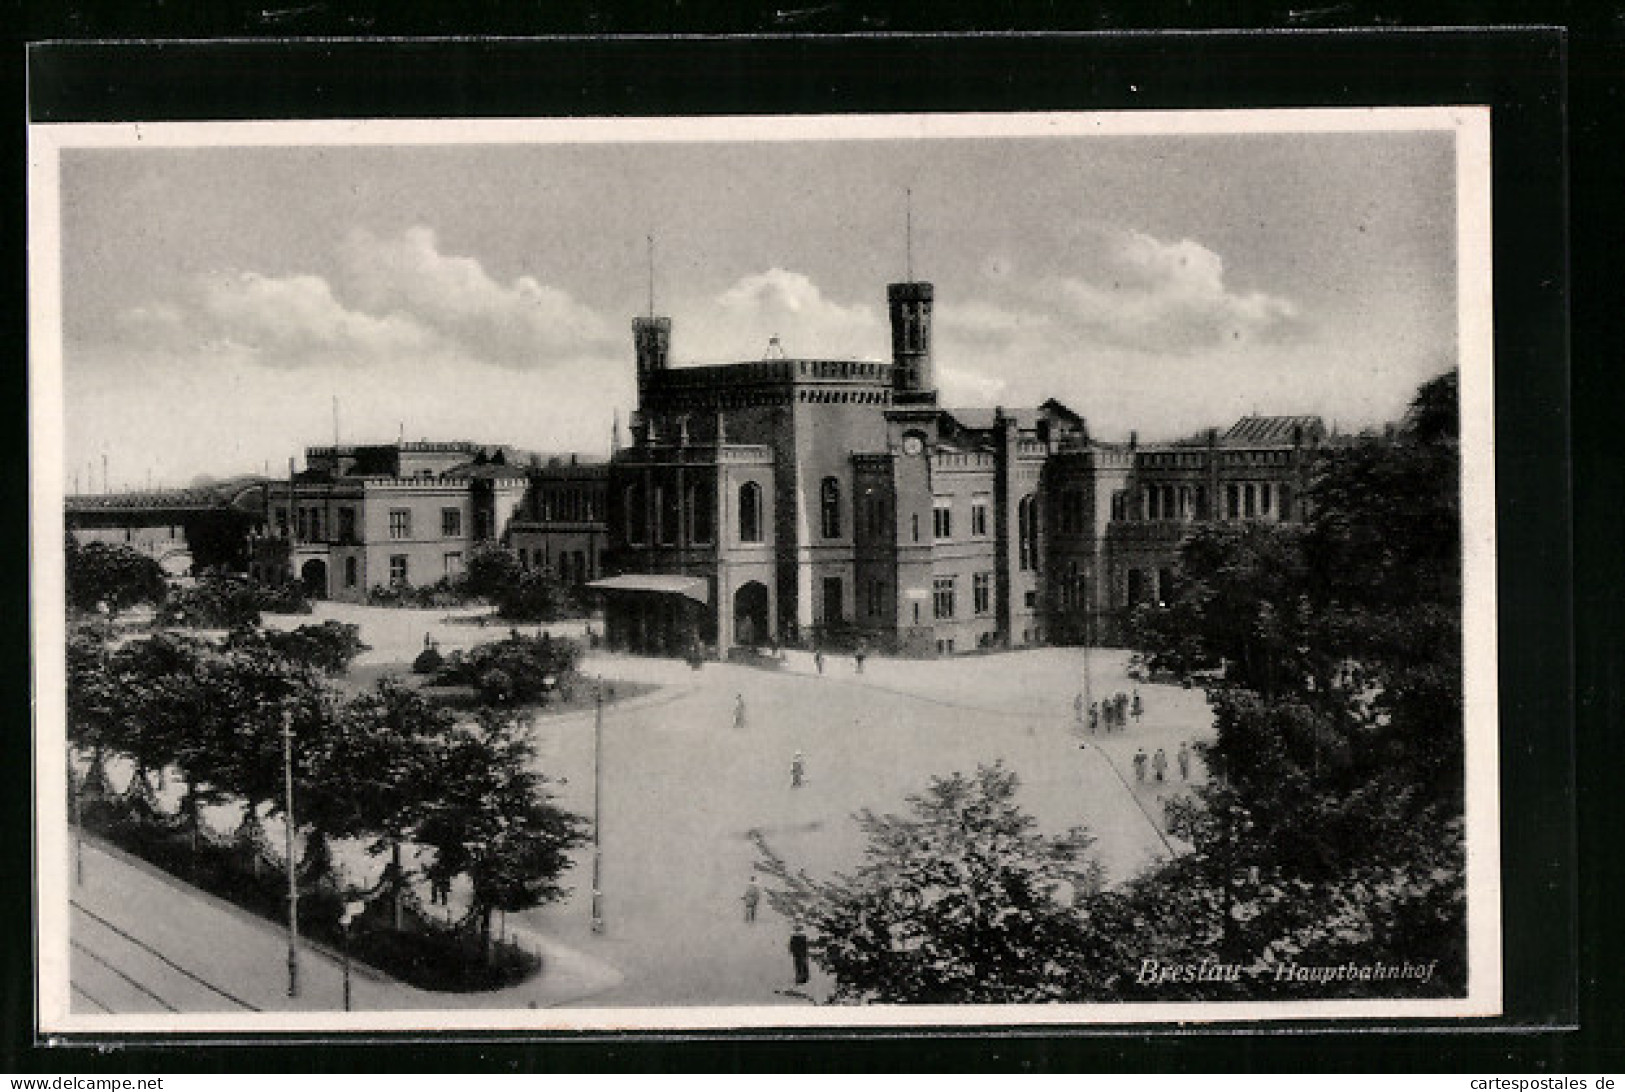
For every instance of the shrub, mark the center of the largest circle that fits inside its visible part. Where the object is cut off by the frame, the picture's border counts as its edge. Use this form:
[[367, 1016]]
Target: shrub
[[285, 598], [536, 596], [442, 593], [513, 670], [328, 647], [428, 662], [111, 576], [215, 602]]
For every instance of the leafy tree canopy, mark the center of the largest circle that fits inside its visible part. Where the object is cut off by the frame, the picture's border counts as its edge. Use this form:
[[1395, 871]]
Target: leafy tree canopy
[[960, 900]]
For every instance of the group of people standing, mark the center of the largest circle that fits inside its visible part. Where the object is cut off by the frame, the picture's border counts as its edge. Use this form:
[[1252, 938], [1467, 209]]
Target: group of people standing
[[1158, 763], [1112, 712]]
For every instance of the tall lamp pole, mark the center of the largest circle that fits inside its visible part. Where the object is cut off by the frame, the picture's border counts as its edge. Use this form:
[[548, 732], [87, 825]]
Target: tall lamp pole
[[597, 795], [293, 864], [77, 788]]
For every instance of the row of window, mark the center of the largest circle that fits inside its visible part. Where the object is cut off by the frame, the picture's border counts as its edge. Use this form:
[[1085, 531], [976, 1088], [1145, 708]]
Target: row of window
[[1245, 500], [661, 516], [567, 504], [573, 566], [311, 521]]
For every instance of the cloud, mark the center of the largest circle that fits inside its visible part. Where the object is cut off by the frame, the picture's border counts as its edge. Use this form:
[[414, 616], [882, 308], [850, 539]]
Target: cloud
[[520, 324], [395, 302], [967, 387], [290, 319], [1168, 298], [787, 305]]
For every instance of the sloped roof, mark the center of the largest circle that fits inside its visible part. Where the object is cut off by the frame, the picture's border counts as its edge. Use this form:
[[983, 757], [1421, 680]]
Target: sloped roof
[[220, 494], [982, 418], [1273, 430], [696, 588]]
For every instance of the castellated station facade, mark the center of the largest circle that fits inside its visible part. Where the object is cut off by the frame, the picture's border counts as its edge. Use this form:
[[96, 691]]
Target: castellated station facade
[[836, 503]]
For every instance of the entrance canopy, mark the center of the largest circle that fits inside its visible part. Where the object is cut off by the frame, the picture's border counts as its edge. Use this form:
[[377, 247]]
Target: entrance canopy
[[696, 588]]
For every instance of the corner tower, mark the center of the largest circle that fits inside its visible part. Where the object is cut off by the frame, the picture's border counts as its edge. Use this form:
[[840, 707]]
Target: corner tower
[[914, 380], [651, 337]]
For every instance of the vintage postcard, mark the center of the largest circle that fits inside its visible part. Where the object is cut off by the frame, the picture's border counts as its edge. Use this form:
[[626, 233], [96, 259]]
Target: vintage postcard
[[789, 572]]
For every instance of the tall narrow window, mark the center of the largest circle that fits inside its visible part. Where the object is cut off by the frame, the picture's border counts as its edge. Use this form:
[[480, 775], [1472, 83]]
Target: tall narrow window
[[829, 508], [750, 512], [346, 524], [351, 572], [1264, 499], [978, 516], [700, 502], [666, 513], [1027, 532], [633, 504], [982, 592], [400, 523], [942, 596], [451, 523], [397, 569], [1250, 501], [942, 518], [1232, 501]]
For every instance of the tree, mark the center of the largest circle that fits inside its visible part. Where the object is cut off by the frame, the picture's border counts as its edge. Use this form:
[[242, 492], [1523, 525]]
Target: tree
[[329, 646], [115, 576], [1333, 826], [959, 901], [491, 570], [536, 596], [514, 670], [489, 818], [216, 601], [379, 764]]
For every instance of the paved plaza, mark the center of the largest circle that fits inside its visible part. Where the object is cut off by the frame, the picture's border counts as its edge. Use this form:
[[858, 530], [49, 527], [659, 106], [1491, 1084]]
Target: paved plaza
[[684, 788]]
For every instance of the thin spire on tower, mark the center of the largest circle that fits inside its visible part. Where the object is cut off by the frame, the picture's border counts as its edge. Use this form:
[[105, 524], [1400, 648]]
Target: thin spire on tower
[[908, 234], [651, 240]]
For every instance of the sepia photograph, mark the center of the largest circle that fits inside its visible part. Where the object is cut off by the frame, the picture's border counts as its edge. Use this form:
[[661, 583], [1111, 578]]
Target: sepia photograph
[[1032, 569]]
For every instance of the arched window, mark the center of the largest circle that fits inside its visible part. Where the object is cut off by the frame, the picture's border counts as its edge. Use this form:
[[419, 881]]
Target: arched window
[[750, 512], [829, 508], [1027, 532]]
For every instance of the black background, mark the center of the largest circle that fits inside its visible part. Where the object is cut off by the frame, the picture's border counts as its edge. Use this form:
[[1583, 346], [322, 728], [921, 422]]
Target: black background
[[1562, 952]]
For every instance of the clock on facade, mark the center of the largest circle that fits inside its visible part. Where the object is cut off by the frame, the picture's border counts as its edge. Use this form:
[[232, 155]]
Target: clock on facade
[[912, 445]]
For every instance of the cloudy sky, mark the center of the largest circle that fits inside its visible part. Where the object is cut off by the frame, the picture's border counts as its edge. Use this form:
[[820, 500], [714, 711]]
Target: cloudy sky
[[217, 300]]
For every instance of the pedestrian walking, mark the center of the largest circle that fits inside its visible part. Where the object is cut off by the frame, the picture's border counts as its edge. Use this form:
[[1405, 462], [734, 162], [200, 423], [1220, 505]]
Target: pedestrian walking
[[1077, 710], [752, 898], [739, 712], [1122, 709], [798, 954], [1184, 760], [1139, 765], [1159, 765], [1094, 717], [1138, 707], [858, 657], [818, 661], [798, 770]]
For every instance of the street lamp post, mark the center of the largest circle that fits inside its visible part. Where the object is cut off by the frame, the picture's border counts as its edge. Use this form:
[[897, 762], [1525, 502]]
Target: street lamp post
[[77, 789], [293, 864], [597, 795], [351, 909]]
